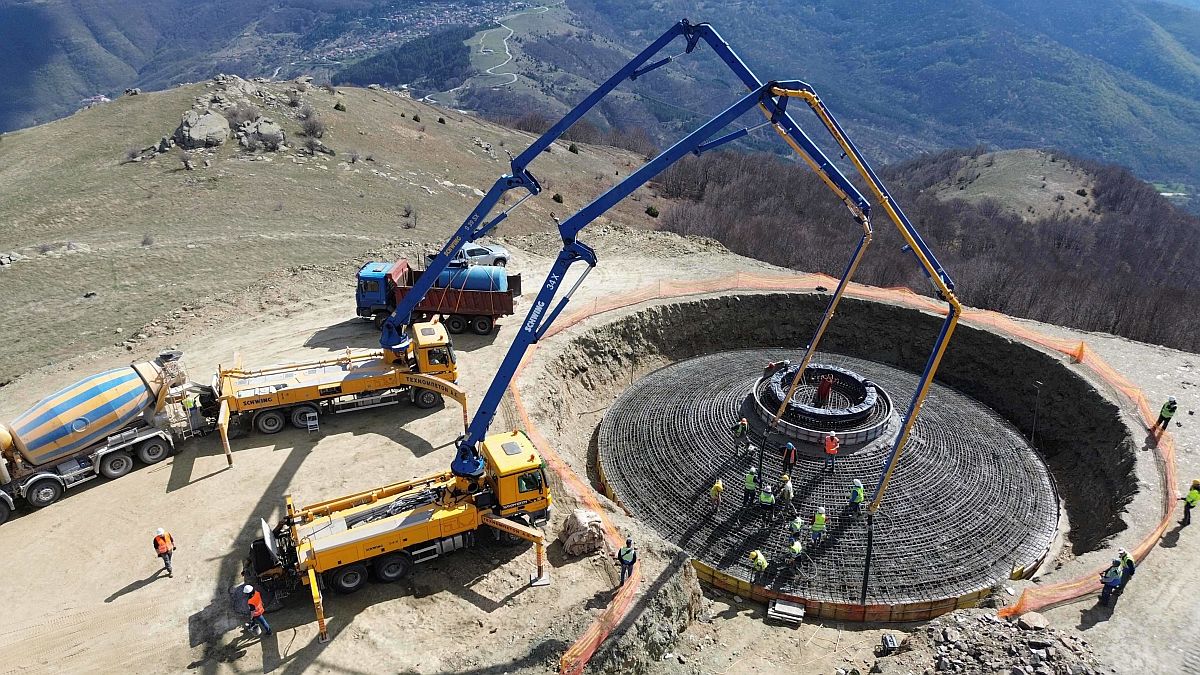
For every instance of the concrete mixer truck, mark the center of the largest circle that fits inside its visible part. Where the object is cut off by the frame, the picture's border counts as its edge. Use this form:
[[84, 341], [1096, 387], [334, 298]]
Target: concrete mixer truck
[[97, 426]]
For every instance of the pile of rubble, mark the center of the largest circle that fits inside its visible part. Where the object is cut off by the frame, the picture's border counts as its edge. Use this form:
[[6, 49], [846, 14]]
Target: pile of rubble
[[976, 640]]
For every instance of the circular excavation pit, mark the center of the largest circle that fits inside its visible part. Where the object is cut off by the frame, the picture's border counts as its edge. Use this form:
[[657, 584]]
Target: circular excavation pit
[[969, 501]]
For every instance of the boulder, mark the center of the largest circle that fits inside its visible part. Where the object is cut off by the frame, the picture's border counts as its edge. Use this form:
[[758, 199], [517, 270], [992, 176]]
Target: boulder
[[132, 91], [202, 130], [582, 533], [1033, 621], [264, 130]]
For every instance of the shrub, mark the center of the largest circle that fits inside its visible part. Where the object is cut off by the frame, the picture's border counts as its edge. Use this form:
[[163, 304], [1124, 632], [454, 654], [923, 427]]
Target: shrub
[[557, 197], [416, 117], [311, 145], [294, 99], [353, 157], [242, 112], [573, 148], [132, 153], [1081, 192], [313, 126], [408, 210], [652, 211], [148, 240], [306, 112], [403, 115], [441, 120], [269, 143], [328, 88]]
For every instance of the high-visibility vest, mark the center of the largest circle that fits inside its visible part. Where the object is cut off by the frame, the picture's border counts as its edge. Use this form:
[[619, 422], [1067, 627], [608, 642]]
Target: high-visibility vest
[[716, 490], [760, 562], [751, 481], [163, 543], [831, 445], [1168, 411], [818, 523], [739, 429], [766, 498], [796, 548], [787, 491], [1192, 497], [857, 494], [627, 555], [1127, 566], [796, 525], [256, 605]]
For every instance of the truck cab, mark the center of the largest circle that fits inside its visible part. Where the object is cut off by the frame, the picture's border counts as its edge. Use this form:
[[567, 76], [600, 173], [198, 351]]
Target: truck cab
[[431, 352], [516, 475], [374, 295]]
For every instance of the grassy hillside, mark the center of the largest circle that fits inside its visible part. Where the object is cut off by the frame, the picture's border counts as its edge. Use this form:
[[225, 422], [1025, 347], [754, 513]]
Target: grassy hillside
[[104, 244]]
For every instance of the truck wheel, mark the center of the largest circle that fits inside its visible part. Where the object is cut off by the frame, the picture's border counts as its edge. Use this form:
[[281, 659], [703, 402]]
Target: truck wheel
[[239, 426], [481, 325], [5, 512], [426, 399], [153, 451], [43, 493], [456, 324], [300, 416], [500, 262], [348, 578], [269, 421], [116, 464], [392, 567], [379, 319]]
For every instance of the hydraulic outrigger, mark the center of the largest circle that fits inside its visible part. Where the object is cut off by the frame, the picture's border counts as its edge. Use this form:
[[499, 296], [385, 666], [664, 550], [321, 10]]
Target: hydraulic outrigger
[[771, 98]]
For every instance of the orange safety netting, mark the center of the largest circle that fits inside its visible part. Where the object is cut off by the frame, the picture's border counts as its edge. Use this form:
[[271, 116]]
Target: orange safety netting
[[577, 656]]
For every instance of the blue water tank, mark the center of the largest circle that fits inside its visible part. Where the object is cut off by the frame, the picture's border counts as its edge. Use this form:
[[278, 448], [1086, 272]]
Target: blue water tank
[[474, 278]]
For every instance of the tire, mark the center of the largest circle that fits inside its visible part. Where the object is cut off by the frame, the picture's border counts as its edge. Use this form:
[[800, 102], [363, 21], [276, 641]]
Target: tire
[[456, 324], [482, 325], [426, 399], [43, 493], [348, 578], [153, 451], [239, 427], [269, 421], [379, 319], [299, 413], [5, 512], [116, 464], [391, 567], [500, 262]]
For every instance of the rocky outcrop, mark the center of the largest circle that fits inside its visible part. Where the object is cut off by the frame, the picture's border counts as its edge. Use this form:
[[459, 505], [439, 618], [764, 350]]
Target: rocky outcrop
[[262, 132], [202, 130]]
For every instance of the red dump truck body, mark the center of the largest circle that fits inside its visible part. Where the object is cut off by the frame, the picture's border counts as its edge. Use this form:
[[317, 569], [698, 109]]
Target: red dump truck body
[[461, 309]]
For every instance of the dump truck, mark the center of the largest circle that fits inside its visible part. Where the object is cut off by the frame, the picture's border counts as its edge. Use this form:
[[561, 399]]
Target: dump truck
[[97, 426], [383, 532], [267, 399], [465, 297]]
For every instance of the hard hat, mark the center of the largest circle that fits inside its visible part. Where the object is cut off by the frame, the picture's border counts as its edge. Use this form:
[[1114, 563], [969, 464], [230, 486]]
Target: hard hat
[[752, 447], [767, 489], [1170, 399], [248, 589], [789, 445], [754, 554], [159, 532], [753, 469], [718, 482], [787, 362], [785, 478], [744, 421], [820, 509], [1121, 552], [629, 541], [857, 483]]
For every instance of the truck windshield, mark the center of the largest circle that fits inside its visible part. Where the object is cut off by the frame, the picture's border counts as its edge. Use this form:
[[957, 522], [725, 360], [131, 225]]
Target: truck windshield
[[530, 482], [440, 356]]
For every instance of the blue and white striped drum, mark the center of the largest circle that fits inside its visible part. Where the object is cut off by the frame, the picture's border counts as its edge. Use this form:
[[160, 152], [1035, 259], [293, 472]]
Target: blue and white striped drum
[[80, 415]]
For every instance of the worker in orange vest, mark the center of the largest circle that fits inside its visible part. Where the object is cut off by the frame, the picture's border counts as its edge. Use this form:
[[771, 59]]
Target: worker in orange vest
[[257, 611], [164, 546], [832, 443]]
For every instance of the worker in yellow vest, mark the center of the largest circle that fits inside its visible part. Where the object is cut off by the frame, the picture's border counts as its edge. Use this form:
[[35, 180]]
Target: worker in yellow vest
[[627, 556], [1166, 413], [1189, 502], [759, 563], [766, 501], [817, 531], [794, 552], [751, 489], [858, 495], [714, 493]]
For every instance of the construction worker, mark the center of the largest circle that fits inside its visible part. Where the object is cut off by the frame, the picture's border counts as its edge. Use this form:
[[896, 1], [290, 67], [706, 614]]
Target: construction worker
[[1166, 413], [789, 457], [832, 443], [714, 493], [759, 563], [824, 388], [794, 552], [751, 489], [164, 547], [258, 613], [191, 405], [857, 496], [776, 364], [741, 434], [750, 450], [766, 501], [786, 493], [1189, 502], [1111, 578], [796, 527], [627, 556], [817, 531], [1128, 567]]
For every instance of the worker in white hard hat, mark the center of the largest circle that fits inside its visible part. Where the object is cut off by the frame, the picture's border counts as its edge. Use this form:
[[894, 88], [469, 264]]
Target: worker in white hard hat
[[258, 613], [751, 490], [1128, 567], [817, 531], [1166, 413], [857, 496], [627, 556], [164, 547]]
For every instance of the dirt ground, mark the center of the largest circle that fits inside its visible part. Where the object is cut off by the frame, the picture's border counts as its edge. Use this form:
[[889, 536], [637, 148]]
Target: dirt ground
[[90, 599]]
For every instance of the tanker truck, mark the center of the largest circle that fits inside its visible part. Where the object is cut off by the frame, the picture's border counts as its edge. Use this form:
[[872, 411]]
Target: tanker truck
[[97, 426]]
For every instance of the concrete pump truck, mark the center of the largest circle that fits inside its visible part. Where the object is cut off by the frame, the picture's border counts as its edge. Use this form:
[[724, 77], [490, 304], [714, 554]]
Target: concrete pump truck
[[499, 480]]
